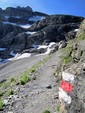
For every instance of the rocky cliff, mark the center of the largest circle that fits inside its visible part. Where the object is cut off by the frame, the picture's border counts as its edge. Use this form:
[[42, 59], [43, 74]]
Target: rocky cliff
[[75, 102], [14, 36], [19, 15]]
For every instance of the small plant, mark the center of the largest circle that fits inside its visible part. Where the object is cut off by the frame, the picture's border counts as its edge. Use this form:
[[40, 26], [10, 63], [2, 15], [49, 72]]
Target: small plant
[[1, 104], [67, 59], [32, 70], [58, 107], [24, 78], [12, 79], [82, 37], [10, 92], [1, 93], [47, 111]]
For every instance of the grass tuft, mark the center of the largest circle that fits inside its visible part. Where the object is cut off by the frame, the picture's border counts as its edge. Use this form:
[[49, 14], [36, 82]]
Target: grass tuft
[[1, 104], [1, 93], [47, 111], [10, 92], [24, 78]]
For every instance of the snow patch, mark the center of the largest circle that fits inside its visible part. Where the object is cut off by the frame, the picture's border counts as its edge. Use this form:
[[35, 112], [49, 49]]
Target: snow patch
[[42, 47], [36, 18], [30, 32], [52, 44], [12, 53], [25, 26], [20, 56], [9, 23], [76, 30], [2, 49], [25, 55], [48, 51]]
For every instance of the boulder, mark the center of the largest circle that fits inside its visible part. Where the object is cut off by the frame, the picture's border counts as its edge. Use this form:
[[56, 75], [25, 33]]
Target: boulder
[[77, 104], [62, 44]]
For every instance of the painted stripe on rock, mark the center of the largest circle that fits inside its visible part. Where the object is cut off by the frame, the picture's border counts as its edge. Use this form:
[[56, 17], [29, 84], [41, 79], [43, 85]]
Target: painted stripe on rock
[[66, 86]]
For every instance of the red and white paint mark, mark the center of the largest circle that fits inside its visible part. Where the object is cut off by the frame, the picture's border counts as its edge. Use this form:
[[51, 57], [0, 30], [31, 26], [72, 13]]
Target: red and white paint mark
[[66, 86]]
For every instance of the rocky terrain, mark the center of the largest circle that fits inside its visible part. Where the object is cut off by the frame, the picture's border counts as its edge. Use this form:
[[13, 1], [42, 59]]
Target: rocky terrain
[[36, 59], [19, 37]]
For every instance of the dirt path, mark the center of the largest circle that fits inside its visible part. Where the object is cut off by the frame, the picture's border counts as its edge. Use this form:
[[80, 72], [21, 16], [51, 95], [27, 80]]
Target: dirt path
[[14, 68], [40, 94]]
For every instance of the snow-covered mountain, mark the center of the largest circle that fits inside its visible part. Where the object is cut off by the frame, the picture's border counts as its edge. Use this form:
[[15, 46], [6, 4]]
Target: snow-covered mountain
[[24, 31], [20, 15]]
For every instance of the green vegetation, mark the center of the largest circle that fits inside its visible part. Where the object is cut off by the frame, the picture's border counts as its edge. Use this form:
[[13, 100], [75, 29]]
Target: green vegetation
[[10, 92], [47, 111], [24, 78], [58, 107], [8, 86], [12, 80], [1, 93], [1, 104], [81, 37], [66, 57]]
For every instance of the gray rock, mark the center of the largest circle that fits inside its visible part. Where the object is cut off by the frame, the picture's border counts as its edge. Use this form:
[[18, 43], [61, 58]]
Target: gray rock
[[62, 44], [49, 87], [58, 19]]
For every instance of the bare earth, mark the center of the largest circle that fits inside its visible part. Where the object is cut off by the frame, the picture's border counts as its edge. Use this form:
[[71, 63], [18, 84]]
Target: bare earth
[[40, 94]]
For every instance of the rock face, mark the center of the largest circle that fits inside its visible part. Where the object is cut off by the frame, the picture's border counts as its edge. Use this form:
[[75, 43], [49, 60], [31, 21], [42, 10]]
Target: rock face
[[57, 20], [81, 32], [19, 15], [76, 68], [7, 28], [19, 11], [54, 28]]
